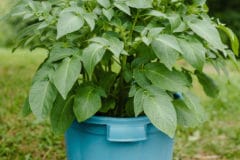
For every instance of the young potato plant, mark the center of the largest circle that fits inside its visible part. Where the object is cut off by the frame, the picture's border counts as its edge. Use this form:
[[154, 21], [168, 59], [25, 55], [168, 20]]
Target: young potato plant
[[122, 58]]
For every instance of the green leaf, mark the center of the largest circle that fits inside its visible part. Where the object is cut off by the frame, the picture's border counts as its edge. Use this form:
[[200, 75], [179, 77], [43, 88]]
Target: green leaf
[[140, 3], [90, 19], [138, 102], [123, 7], [67, 23], [127, 74], [185, 116], [132, 91], [156, 13], [87, 102], [208, 84], [92, 55], [140, 78], [104, 3], [101, 92], [166, 49], [106, 80], [67, 74], [207, 31], [168, 80], [62, 114], [26, 110], [175, 21], [160, 111], [193, 53], [41, 98], [44, 72], [59, 53], [100, 40], [108, 105], [115, 45], [108, 13], [233, 38], [193, 104]]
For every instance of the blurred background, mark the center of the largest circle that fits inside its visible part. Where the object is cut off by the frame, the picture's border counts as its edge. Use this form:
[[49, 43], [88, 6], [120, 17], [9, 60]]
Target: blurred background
[[25, 139]]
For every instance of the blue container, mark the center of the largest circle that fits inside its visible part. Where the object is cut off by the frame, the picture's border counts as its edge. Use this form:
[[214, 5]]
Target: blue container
[[105, 138]]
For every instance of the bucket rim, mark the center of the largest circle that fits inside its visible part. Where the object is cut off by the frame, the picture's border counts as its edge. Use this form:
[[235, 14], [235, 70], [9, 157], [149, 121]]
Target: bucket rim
[[118, 120]]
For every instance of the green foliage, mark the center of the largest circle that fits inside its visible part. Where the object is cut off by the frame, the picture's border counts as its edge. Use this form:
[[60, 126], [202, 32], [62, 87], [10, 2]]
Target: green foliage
[[99, 51], [66, 75], [24, 138], [87, 102], [227, 12], [158, 107], [41, 98], [62, 114]]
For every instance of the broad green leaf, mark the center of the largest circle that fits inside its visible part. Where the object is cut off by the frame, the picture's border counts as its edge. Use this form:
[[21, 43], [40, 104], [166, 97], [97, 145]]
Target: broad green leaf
[[43, 25], [106, 80], [233, 38], [90, 19], [100, 91], [193, 103], [132, 91], [67, 74], [108, 13], [166, 49], [207, 31], [59, 53], [123, 7], [157, 14], [104, 3], [175, 21], [154, 32], [44, 72], [127, 74], [140, 3], [143, 58], [140, 78], [100, 40], [67, 23], [138, 101], [141, 51], [181, 28], [62, 114], [193, 52], [185, 116], [208, 84], [87, 102], [47, 6], [92, 55], [26, 110], [114, 45], [108, 104], [164, 78], [41, 98], [160, 111]]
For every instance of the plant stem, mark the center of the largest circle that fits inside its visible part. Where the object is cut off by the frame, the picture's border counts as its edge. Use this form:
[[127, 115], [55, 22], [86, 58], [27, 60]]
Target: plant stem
[[134, 24]]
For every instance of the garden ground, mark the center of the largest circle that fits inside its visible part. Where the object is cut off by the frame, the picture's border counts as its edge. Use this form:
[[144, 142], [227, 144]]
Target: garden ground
[[26, 139]]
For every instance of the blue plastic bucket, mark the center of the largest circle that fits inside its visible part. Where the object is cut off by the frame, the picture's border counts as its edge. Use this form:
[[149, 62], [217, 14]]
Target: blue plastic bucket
[[105, 138]]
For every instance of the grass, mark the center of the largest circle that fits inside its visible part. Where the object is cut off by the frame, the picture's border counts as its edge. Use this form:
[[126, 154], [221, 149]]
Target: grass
[[26, 139], [23, 138]]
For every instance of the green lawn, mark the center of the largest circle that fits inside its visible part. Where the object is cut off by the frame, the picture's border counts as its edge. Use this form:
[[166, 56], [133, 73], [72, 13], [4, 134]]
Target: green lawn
[[26, 139]]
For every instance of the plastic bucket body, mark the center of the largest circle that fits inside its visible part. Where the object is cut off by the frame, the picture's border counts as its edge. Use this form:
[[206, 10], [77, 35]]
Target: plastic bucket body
[[105, 138]]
